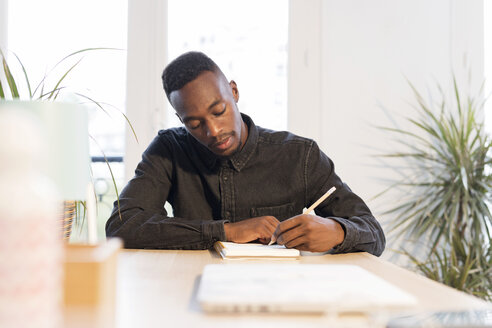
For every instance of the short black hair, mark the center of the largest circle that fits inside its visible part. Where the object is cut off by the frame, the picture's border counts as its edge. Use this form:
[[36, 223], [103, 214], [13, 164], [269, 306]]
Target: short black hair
[[184, 69]]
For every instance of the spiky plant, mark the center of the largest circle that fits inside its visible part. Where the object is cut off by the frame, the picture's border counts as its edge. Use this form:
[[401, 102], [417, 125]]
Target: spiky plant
[[44, 91], [448, 192]]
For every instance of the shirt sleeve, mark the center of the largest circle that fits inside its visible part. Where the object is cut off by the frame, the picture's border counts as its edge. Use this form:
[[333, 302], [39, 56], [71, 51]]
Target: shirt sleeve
[[141, 219], [362, 231]]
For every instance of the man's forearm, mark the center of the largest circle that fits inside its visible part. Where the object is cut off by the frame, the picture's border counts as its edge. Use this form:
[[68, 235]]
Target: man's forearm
[[151, 229]]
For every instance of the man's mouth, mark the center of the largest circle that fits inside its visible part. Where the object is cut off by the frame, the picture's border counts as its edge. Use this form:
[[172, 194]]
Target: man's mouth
[[223, 144]]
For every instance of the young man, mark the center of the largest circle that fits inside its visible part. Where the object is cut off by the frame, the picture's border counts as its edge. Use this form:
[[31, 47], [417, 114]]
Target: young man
[[228, 179]]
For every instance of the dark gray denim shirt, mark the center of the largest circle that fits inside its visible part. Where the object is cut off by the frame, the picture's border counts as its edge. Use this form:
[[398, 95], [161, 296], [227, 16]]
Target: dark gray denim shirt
[[276, 173]]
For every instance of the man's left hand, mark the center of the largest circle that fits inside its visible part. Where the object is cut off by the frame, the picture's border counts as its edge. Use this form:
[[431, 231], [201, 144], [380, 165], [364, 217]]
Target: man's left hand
[[308, 232]]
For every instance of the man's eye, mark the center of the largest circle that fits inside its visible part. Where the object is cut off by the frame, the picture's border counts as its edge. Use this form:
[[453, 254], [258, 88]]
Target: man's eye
[[221, 112], [193, 126]]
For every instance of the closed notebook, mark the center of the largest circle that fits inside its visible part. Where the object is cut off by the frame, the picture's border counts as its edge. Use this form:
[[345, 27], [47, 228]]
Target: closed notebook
[[232, 250]]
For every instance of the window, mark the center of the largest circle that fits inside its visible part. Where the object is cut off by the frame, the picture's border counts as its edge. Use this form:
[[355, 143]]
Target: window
[[43, 32], [248, 40]]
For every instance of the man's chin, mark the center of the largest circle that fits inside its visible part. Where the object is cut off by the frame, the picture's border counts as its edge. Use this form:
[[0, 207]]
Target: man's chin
[[225, 154], [229, 152]]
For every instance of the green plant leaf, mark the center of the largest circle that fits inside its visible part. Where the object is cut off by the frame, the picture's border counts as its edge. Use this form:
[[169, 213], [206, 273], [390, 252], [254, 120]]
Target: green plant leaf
[[2, 94], [41, 84], [99, 104], [457, 95], [52, 93], [10, 79], [447, 191], [43, 95], [25, 75], [82, 51], [112, 177]]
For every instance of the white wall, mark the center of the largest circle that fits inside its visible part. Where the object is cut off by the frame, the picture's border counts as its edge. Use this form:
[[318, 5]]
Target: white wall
[[304, 68], [366, 50], [4, 23], [146, 58]]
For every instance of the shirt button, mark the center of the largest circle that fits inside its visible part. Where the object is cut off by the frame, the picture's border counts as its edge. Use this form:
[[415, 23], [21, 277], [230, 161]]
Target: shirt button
[[225, 178]]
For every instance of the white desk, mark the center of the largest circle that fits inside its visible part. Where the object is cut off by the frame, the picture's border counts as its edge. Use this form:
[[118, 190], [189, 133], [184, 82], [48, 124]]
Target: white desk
[[157, 288]]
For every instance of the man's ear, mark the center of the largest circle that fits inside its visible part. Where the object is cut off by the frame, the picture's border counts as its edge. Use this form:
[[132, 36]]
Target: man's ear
[[179, 117], [235, 90]]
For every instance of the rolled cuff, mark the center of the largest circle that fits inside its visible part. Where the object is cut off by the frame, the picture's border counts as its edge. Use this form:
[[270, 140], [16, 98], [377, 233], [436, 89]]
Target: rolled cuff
[[351, 236], [213, 231]]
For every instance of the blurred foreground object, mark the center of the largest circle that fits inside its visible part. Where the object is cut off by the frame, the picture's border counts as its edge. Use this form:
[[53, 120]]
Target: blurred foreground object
[[45, 160], [30, 247], [66, 159], [90, 284]]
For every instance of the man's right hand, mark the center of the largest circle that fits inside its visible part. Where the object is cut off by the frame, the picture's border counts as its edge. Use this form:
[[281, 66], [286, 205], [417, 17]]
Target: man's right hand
[[260, 228]]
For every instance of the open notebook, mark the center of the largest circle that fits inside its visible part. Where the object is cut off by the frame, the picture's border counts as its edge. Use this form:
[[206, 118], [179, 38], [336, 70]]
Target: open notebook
[[230, 250], [298, 288]]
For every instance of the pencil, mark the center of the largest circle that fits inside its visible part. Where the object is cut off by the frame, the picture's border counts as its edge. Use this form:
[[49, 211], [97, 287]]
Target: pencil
[[320, 200], [312, 207]]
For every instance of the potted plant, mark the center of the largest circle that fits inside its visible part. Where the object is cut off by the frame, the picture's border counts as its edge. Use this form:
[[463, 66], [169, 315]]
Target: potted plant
[[43, 91], [445, 210]]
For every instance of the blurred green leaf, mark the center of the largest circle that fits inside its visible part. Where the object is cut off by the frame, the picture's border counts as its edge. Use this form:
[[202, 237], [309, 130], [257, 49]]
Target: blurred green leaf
[[62, 78], [10, 79], [52, 94], [25, 75], [2, 94], [112, 176]]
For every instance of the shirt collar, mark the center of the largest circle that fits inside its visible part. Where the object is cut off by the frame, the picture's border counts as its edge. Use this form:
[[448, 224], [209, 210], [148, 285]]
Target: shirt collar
[[239, 159]]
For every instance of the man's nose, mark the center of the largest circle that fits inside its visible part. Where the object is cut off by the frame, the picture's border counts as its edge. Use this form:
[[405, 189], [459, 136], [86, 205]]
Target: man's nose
[[213, 129]]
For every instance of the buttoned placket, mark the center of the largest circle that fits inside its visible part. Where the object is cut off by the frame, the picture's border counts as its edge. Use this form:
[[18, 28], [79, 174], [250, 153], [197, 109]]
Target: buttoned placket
[[227, 192]]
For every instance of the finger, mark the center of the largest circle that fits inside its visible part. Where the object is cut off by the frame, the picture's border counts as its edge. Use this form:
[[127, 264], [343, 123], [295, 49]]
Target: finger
[[297, 242], [303, 247], [273, 220], [267, 220], [264, 241], [287, 225], [290, 235], [273, 225], [266, 227], [266, 232]]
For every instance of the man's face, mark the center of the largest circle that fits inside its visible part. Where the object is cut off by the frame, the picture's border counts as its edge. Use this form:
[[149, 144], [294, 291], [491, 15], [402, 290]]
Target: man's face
[[207, 108]]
